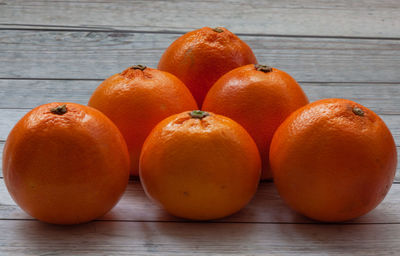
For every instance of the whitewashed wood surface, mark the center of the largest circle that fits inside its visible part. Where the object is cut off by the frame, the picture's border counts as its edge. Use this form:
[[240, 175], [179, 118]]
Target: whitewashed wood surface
[[61, 50]]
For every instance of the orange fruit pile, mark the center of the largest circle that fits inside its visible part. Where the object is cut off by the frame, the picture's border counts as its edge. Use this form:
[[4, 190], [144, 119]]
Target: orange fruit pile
[[331, 160]]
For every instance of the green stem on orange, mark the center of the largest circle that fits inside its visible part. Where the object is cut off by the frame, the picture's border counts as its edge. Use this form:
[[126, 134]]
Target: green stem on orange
[[199, 114]]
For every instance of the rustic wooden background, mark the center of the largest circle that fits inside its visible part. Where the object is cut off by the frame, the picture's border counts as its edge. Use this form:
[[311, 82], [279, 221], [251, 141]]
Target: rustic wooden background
[[61, 50]]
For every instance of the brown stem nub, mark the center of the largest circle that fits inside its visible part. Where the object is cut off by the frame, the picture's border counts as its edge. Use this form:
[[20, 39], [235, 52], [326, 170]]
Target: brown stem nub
[[199, 114], [218, 30], [59, 110], [263, 68], [140, 67], [358, 111]]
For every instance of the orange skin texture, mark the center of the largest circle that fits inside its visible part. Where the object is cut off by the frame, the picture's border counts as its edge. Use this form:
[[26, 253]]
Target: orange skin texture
[[202, 56], [65, 169], [258, 101], [200, 169], [330, 164], [137, 100]]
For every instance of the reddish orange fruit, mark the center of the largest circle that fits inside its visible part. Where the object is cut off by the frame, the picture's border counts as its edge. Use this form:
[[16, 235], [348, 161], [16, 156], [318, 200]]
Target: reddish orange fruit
[[200, 166], [137, 99], [202, 56], [65, 163], [259, 98], [333, 160]]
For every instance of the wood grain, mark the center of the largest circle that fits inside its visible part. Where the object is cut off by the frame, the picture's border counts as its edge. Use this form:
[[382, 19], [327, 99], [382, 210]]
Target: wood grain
[[61, 50], [356, 18], [97, 55], [143, 238], [31, 93], [157, 238], [266, 207]]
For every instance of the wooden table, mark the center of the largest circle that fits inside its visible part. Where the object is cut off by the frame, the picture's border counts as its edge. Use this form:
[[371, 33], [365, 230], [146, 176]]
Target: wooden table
[[61, 50]]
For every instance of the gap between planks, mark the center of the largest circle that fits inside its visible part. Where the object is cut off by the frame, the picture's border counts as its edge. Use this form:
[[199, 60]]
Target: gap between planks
[[45, 28], [364, 18]]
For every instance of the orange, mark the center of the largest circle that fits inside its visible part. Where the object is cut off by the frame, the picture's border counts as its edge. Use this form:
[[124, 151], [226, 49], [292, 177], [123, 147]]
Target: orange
[[202, 56], [65, 163], [259, 98], [137, 99], [200, 165], [333, 160]]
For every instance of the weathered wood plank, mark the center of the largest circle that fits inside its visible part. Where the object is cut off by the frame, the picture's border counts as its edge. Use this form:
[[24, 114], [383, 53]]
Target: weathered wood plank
[[364, 18], [158, 238], [138, 226], [96, 55], [266, 207], [381, 98], [31, 93]]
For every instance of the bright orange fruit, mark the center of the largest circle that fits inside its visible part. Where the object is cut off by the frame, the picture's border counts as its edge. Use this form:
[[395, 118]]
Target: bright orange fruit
[[259, 98], [333, 160], [65, 163], [137, 99], [202, 56], [200, 165]]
